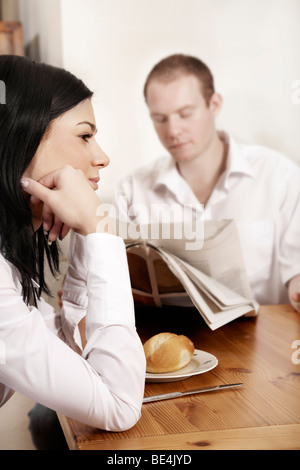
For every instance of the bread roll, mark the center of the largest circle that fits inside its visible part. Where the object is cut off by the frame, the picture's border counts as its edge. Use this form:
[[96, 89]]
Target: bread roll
[[167, 352]]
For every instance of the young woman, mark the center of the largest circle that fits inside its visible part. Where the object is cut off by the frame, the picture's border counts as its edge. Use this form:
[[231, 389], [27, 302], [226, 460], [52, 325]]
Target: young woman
[[49, 169]]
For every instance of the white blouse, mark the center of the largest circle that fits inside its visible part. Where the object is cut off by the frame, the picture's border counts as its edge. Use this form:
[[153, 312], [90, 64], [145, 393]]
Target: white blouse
[[40, 350]]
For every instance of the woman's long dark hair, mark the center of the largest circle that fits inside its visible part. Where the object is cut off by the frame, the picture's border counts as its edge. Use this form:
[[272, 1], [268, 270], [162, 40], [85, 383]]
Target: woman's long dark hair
[[35, 94]]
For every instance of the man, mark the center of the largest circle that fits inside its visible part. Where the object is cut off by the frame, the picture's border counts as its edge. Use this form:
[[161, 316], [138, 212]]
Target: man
[[257, 187]]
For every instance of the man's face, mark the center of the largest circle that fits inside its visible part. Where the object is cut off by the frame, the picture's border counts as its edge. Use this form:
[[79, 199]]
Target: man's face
[[184, 122]]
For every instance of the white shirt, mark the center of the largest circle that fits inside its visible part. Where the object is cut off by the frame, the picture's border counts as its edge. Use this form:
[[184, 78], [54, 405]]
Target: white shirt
[[260, 190], [40, 350]]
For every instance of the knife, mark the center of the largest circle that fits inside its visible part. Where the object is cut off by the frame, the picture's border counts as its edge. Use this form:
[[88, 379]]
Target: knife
[[167, 396]]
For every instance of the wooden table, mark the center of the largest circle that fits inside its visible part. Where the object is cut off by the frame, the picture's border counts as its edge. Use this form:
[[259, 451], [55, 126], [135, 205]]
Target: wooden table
[[262, 352]]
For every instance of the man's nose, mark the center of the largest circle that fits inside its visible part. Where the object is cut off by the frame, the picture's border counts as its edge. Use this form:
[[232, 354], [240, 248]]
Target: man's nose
[[174, 128]]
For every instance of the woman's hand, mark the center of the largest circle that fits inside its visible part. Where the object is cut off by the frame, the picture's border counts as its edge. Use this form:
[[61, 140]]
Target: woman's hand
[[68, 201], [53, 227]]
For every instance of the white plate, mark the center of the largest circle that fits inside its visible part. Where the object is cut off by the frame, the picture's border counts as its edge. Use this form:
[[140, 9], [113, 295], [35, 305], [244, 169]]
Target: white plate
[[201, 362]]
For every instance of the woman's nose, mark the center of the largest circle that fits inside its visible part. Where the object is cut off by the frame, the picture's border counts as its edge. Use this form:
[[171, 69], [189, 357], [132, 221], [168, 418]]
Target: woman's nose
[[100, 158]]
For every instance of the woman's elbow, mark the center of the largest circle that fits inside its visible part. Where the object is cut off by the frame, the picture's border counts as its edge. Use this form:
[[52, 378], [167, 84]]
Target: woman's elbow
[[124, 417]]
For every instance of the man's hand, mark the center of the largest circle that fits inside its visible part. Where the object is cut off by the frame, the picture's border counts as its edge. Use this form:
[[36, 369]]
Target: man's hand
[[294, 292]]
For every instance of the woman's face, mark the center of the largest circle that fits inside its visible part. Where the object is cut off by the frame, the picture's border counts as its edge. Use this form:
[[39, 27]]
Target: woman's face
[[69, 141]]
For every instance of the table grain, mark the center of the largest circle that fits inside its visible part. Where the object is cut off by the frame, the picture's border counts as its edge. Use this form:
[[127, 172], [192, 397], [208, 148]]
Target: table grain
[[261, 352]]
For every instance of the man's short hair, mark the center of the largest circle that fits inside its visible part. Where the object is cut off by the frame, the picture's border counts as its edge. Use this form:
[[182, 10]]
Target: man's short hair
[[176, 65]]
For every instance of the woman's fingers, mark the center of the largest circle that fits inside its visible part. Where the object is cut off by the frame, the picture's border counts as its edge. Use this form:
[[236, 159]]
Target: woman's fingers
[[67, 194], [36, 189], [53, 225], [55, 230], [48, 218], [64, 231], [58, 230]]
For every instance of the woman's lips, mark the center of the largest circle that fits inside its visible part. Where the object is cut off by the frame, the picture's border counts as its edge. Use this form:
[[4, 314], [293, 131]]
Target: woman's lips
[[94, 182]]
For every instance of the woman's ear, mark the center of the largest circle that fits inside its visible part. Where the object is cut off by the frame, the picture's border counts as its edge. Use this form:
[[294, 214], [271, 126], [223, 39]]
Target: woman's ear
[[215, 103]]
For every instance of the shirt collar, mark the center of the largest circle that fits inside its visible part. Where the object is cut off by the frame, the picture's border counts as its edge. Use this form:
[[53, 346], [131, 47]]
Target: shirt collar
[[237, 163], [169, 177], [167, 173]]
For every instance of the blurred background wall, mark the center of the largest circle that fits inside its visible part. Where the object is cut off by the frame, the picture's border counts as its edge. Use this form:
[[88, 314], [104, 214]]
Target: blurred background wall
[[252, 47]]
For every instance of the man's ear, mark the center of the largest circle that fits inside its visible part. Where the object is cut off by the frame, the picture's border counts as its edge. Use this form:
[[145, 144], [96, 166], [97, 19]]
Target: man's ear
[[215, 103]]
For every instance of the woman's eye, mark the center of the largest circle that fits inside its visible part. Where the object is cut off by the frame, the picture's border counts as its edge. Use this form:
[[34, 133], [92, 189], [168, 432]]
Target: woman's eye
[[85, 137]]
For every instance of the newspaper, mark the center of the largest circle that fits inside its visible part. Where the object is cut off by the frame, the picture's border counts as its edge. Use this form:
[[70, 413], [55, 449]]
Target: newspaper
[[207, 272]]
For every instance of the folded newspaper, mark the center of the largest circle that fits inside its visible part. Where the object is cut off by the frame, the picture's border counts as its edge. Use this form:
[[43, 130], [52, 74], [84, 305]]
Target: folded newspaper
[[207, 272]]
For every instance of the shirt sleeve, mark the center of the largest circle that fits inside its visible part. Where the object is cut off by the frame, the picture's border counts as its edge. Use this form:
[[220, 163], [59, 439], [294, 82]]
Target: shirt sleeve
[[75, 293], [104, 387]]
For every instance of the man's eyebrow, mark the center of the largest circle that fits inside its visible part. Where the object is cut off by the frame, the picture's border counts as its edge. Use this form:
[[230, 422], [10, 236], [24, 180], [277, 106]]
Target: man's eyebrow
[[92, 126], [186, 106]]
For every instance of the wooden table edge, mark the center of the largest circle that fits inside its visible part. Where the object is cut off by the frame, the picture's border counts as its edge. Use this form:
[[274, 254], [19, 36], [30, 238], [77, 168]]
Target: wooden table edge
[[278, 437], [67, 430]]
